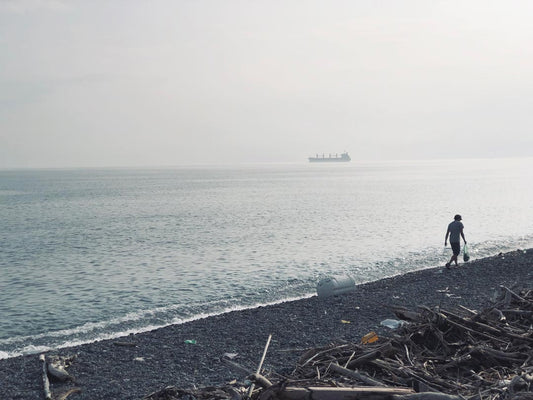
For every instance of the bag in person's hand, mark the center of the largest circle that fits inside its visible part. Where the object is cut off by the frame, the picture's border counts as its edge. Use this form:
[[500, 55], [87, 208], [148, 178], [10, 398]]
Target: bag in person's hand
[[466, 253]]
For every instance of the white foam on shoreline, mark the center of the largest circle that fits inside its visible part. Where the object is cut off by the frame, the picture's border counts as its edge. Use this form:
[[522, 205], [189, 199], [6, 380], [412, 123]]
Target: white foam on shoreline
[[135, 316], [26, 350]]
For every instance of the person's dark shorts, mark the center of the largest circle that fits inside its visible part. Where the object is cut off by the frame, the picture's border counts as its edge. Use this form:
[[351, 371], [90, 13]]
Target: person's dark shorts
[[456, 247]]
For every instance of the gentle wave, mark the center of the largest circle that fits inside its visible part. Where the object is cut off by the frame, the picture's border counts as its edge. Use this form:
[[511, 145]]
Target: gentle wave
[[32, 349], [114, 327]]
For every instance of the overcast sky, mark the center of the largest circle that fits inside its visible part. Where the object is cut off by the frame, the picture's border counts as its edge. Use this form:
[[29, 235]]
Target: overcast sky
[[170, 82]]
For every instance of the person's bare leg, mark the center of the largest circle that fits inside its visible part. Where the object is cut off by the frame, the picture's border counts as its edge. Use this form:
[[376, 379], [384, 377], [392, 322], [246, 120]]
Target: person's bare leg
[[454, 258]]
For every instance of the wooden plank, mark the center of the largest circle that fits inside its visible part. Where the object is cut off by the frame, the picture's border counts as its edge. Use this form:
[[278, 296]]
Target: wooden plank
[[341, 393]]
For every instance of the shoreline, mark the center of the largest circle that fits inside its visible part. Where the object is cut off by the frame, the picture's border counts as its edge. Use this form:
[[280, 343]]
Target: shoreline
[[237, 308], [136, 365]]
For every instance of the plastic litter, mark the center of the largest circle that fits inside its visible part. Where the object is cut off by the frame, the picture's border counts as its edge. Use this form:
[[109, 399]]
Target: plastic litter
[[370, 337], [466, 253], [335, 286], [190, 341], [392, 323]]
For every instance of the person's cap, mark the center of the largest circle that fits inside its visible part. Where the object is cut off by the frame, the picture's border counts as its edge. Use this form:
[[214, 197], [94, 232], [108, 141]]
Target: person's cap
[[457, 217]]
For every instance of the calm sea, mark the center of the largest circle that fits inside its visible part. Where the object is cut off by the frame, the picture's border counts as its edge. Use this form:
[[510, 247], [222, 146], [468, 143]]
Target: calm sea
[[89, 254]]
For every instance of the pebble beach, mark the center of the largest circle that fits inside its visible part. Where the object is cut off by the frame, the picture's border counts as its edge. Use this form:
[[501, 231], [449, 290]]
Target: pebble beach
[[189, 355]]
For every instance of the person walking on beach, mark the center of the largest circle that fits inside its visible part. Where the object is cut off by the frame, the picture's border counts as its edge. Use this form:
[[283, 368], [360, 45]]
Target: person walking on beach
[[455, 232]]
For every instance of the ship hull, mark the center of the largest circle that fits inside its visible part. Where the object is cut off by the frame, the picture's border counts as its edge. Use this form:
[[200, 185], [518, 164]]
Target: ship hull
[[344, 157]]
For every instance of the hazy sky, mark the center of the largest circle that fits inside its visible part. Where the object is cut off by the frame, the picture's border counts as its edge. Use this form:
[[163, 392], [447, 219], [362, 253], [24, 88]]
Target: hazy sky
[[168, 82]]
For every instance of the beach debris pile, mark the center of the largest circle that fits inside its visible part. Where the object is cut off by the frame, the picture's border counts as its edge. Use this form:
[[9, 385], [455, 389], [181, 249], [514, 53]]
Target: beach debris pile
[[436, 354], [54, 369]]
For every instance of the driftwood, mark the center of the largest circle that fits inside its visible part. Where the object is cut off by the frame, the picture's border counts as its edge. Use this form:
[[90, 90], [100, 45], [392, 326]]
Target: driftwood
[[125, 344], [356, 375], [426, 396], [457, 352], [331, 393], [46, 382], [53, 370], [260, 380], [251, 388], [437, 354], [64, 396], [57, 372]]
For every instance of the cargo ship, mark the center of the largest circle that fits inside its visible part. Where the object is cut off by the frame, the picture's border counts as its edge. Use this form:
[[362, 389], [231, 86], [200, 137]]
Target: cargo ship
[[344, 157]]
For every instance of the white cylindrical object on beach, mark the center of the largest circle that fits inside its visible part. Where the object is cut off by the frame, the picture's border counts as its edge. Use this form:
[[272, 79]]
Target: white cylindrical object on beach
[[335, 285]]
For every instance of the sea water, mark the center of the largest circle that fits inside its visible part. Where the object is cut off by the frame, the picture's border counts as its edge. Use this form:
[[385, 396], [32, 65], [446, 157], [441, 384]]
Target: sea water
[[90, 254]]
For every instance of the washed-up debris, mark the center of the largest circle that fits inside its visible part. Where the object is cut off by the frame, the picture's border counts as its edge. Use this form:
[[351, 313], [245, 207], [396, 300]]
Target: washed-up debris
[[54, 370], [370, 337], [434, 354], [392, 323]]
